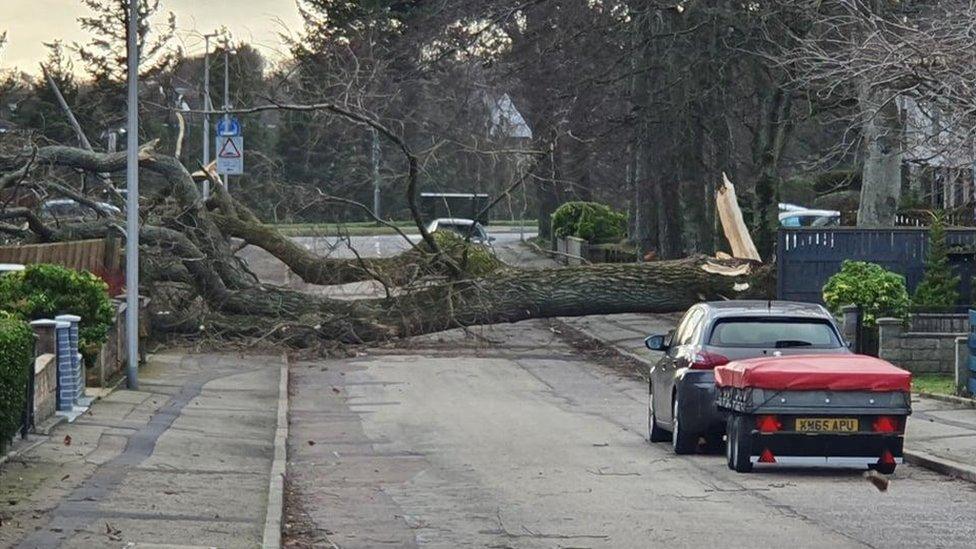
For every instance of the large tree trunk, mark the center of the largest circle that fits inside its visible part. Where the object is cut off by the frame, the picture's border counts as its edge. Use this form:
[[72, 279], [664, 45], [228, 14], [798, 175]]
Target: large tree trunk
[[881, 180], [204, 288]]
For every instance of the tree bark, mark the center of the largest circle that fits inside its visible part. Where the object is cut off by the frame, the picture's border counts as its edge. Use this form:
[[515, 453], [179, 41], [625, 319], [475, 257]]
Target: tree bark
[[881, 180]]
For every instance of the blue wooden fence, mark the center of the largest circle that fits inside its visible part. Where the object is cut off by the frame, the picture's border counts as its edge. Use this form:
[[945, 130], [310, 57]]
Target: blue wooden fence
[[807, 258], [971, 383]]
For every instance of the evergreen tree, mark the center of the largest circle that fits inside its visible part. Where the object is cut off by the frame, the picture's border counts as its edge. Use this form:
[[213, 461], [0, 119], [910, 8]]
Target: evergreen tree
[[40, 109], [940, 285], [102, 105]]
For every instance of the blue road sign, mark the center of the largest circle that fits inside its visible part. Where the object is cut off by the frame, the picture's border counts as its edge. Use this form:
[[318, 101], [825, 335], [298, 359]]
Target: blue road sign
[[228, 126]]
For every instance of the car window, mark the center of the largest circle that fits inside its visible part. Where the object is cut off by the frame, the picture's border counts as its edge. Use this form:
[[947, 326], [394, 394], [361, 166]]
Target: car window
[[688, 327], [774, 333]]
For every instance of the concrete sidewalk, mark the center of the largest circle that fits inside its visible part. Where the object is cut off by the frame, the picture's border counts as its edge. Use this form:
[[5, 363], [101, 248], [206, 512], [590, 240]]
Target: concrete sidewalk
[[941, 435], [185, 461]]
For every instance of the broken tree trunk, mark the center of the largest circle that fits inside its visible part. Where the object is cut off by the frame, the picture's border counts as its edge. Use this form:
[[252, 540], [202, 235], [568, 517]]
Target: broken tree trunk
[[193, 258], [732, 223]]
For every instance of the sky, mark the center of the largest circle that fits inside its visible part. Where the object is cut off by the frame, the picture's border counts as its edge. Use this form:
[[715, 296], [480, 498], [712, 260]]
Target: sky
[[30, 23]]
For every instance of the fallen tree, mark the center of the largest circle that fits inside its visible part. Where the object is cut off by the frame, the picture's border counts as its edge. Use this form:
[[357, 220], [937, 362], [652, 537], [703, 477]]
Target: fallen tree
[[200, 286]]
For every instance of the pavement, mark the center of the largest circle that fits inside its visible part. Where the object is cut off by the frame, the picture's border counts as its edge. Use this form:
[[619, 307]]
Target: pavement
[[511, 437], [186, 460], [941, 435]]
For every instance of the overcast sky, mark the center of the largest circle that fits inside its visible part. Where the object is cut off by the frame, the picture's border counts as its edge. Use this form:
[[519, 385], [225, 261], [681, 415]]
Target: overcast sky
[[30, 23]]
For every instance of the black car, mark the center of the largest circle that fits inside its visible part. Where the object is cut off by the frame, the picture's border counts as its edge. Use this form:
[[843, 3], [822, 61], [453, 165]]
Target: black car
[[681, 403]]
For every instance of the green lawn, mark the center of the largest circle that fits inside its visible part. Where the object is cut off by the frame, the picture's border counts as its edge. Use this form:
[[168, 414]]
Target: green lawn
[[941, 384]]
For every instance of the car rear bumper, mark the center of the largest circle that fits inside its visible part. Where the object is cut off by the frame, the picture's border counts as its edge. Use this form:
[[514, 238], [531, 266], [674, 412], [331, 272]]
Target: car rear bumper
[[821, 446], [821, 461], [699, 412]]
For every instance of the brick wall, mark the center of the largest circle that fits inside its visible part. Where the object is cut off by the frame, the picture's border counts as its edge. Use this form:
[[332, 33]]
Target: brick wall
[[915, 351]]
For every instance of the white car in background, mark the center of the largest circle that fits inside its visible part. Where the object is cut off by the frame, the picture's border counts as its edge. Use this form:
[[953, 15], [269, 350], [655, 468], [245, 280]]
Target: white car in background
[[463, 228], [791, 215]]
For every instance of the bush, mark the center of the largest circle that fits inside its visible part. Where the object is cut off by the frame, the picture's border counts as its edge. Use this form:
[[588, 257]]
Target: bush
[[16, 355], [877, 291], [44, 291], [939, 286], [480, 260], [590, 221]]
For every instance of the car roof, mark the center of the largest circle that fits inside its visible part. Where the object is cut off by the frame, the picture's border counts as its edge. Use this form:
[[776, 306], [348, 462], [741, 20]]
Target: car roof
[[808, 213], [734, 308], [453, 221]]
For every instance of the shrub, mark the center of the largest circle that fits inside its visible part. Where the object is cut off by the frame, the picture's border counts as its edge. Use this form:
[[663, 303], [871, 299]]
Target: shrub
[[16, 354], [590, 221], [877, 291], [44, 291], [939, 286]]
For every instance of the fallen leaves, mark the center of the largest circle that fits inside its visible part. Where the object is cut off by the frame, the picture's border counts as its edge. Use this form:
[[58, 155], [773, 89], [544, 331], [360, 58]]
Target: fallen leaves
[[877, 479], [113, 533], [67, 440]]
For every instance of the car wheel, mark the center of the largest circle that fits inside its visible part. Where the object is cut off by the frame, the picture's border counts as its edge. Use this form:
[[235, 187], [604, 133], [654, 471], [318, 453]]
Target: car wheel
[[883, 468], [654, 433], [681, 442], [741, 441]]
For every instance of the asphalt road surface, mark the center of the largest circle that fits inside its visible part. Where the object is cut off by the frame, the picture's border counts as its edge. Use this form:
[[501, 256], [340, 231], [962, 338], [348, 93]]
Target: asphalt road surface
[[510, 437], [383, 246]]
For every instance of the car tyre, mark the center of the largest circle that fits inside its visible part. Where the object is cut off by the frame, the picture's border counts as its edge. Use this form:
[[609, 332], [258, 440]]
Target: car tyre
[[681, 441], [654, 433], [741, 441]]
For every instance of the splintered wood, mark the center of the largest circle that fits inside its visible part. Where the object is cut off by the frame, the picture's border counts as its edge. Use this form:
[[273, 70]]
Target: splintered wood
[[732, 223]]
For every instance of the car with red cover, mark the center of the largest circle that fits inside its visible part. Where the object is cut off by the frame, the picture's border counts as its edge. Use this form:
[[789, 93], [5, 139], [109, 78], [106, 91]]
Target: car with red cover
[[815, 409], [681, 387]]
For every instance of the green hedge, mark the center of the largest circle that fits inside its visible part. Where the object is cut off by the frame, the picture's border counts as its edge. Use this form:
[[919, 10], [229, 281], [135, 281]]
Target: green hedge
[[44, 291], [877, 291], [16, 355], [590, 221]]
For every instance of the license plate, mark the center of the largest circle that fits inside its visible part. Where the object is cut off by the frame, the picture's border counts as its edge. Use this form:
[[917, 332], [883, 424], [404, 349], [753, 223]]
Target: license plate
[[826, 425]]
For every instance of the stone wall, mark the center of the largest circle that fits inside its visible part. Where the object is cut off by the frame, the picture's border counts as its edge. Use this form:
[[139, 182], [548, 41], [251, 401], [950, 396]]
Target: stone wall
[[916, 351], [45, 387]]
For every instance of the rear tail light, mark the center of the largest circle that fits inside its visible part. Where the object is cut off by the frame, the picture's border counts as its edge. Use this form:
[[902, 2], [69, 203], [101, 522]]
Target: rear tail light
[[886, 458], [767, 457], [768, 424], [704, 360], [886, 424]]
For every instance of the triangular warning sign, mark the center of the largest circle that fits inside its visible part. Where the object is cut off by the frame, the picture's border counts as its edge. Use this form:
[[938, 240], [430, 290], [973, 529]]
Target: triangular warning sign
[[229, 150]]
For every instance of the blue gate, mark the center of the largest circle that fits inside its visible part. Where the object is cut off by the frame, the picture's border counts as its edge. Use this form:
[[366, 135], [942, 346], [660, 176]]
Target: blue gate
[[807, 258], [971, 385]]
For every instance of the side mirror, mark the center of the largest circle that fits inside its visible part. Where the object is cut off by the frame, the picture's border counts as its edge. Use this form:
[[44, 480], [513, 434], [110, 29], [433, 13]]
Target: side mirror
[[656, 343]]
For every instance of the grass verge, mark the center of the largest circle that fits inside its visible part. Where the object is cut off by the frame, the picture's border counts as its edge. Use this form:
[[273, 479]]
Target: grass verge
[[939, 384]]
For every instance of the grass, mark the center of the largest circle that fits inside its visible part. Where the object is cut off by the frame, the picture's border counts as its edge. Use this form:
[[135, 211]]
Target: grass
[[940, 384], [369, 228]]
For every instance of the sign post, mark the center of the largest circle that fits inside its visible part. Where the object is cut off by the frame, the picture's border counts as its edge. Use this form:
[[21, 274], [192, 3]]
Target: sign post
[[230, 155], [230, 147]]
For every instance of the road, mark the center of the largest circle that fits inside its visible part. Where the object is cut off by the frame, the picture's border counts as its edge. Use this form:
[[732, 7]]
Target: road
[[510, 437], [508, 247], [384, 245]]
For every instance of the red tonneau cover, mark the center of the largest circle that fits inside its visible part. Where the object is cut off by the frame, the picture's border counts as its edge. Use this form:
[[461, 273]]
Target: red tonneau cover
[[815, 372]]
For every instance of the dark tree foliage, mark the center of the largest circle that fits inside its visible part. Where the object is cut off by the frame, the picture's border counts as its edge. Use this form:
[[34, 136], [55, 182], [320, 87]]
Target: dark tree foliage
[[940, 285]]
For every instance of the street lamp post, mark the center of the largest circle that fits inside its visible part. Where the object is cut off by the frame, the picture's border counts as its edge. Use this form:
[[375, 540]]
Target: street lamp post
[[227, 52], [206, 107], [132, 203]]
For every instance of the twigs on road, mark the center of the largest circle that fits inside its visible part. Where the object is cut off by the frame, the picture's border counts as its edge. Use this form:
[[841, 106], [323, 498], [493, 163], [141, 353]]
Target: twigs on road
[[528, 533]]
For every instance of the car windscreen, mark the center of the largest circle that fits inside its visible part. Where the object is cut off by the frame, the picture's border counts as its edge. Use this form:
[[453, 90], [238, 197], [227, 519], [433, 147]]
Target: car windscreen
[[774, 333]]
